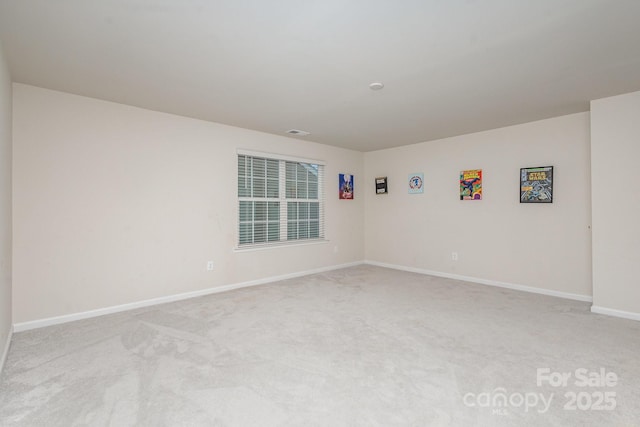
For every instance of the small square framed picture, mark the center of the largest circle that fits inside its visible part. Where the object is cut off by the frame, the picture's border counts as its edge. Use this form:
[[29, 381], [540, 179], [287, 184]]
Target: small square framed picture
[[536, 185], [381, 185]]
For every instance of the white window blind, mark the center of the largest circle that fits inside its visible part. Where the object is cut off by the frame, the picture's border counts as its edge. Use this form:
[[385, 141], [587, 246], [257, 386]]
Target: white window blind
[[280, 200]]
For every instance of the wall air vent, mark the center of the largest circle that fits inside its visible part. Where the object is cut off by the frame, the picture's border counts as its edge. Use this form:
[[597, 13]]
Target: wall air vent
[[297, 132]]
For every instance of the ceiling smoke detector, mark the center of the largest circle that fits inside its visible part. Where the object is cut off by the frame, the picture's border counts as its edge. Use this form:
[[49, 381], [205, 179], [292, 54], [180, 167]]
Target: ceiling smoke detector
[[297, 132], [376, 86]]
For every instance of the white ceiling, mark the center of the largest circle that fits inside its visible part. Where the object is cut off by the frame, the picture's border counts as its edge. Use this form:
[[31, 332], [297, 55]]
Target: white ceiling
[[449, 66]]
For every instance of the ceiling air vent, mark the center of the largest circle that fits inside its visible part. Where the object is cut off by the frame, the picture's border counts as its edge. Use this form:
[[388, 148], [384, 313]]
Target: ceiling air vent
[[297, 132]]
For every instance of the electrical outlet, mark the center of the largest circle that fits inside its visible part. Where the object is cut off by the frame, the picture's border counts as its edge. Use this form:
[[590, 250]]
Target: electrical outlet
[[209, 265], [454, 256]]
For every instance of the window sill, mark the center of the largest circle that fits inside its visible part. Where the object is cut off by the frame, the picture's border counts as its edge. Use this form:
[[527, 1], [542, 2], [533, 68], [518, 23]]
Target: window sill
[[260, 247]]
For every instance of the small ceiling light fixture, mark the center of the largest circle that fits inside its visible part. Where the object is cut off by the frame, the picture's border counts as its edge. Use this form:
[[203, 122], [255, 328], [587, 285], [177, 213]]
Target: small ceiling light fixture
[[297, 132], [376, 86]]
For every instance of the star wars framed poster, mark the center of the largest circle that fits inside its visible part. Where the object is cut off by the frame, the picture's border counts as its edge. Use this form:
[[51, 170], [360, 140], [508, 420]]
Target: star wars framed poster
[[536, 185]]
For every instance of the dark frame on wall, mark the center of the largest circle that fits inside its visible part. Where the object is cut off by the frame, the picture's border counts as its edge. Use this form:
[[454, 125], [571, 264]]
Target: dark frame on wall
[[381, 185], [536, 184]]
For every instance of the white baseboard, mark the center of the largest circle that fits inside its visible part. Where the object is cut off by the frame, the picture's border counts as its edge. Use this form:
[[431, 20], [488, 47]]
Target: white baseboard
[[41, 323], [616, 313], [6, 349], [531, 289]]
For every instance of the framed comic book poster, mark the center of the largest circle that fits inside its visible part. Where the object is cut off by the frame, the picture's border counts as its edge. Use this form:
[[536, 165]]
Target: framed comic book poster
[[471, 184], [536, 185], [345, 186]]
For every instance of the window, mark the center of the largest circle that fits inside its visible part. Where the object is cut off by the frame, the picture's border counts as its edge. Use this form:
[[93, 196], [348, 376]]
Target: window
[[279, 200]]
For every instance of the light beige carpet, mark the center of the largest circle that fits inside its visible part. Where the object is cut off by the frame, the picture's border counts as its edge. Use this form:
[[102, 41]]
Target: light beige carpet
[[363, 346]]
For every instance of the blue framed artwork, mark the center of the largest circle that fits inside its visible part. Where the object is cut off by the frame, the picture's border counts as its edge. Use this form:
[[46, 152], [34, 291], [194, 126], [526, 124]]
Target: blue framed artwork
[[345, 186]]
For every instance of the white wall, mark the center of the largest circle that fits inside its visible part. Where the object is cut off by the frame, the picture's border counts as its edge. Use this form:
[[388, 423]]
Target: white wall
[[498, 239], [5, 205], [115, 204], [615, 155]]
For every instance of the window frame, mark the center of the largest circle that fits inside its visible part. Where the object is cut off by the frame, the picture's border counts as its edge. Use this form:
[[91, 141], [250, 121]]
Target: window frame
[[283, 201]]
